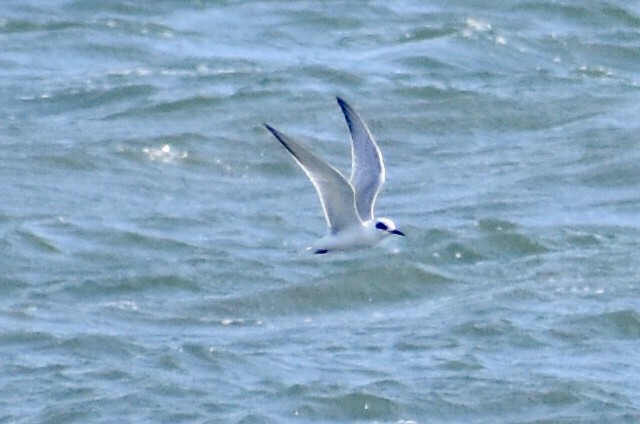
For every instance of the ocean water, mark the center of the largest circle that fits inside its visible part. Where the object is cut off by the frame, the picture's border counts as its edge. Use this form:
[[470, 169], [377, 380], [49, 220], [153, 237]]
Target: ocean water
[[152, 233]]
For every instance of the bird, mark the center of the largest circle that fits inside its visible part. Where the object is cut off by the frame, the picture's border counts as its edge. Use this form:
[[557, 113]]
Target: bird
[[348, 204]]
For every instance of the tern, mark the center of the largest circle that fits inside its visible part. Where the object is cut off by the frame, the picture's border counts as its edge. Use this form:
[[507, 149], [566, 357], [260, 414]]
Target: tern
[[347, 204]]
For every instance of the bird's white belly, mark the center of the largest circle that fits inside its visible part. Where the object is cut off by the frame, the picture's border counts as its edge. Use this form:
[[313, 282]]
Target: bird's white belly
[[356, 238]]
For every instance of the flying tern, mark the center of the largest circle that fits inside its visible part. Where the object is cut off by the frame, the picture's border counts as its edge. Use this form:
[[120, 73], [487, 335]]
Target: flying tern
[[347, 204]]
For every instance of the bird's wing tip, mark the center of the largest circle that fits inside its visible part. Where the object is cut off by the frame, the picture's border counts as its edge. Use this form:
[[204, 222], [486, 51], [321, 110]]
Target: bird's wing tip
[[277, 134]]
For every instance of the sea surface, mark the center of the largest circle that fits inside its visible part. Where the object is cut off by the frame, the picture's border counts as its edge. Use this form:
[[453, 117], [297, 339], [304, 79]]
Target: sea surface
[[152, 232]]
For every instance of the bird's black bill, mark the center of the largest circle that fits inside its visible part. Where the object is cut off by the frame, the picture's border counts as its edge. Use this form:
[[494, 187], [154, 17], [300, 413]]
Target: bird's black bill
[[398, 233]]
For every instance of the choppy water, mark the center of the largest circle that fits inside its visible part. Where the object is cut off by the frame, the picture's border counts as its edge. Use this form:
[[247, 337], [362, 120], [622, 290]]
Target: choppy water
[[152, 263]]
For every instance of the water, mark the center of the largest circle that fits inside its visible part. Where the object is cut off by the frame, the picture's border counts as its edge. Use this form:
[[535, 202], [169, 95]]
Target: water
[[153, 233]]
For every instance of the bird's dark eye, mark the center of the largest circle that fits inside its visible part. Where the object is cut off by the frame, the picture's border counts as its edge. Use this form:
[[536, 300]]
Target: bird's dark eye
[[381, 226]]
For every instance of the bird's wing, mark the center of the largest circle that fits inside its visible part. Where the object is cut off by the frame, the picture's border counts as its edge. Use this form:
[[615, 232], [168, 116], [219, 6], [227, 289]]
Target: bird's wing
[[336, 194], [367, 168]]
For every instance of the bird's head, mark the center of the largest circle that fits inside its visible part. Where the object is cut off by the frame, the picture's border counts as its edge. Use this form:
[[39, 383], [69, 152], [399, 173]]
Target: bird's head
[[387, 226]]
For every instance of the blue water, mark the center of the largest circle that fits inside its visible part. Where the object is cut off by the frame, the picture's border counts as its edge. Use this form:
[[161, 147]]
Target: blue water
[[152, 233]]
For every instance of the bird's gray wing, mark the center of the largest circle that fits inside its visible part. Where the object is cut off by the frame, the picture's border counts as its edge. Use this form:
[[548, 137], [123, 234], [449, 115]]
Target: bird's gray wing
[[367, 168], [336, 194]]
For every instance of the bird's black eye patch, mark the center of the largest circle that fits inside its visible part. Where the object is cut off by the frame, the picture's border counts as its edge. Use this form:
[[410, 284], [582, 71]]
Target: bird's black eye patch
[[321, 251], [381, 226]]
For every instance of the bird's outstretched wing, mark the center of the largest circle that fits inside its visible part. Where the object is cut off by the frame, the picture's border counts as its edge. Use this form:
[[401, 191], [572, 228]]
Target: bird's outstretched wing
[[367, 167], [337, 196]]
